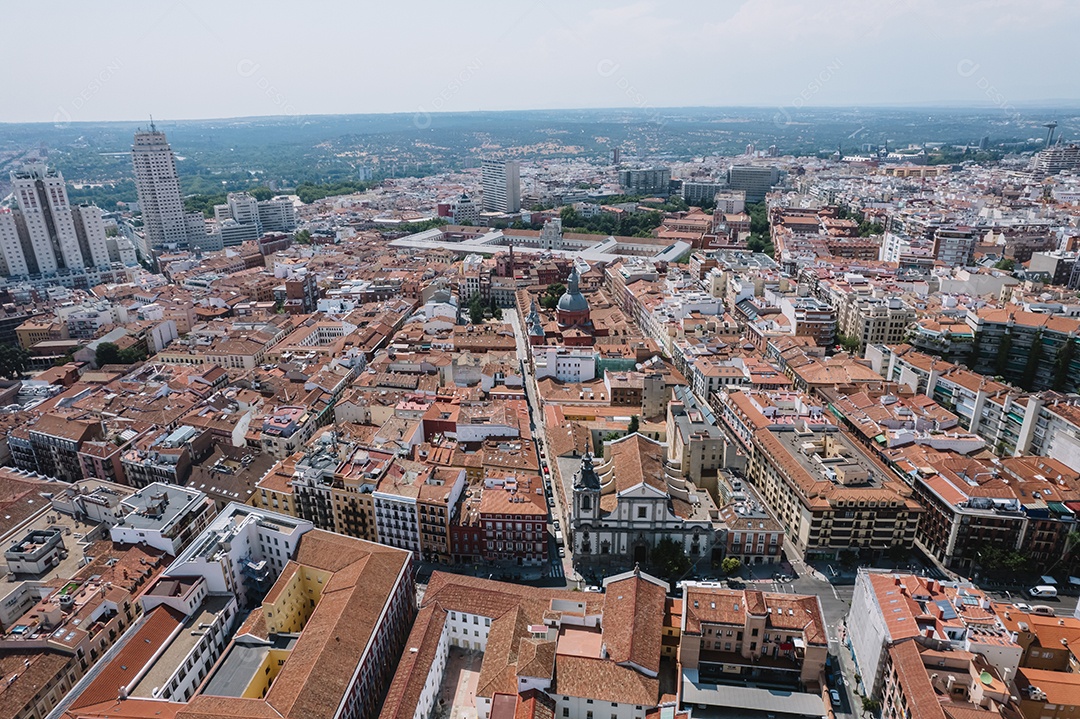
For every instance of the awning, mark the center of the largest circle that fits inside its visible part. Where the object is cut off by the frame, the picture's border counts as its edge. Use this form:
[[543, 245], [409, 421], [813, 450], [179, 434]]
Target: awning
[[1047, 579], [1074, 580]]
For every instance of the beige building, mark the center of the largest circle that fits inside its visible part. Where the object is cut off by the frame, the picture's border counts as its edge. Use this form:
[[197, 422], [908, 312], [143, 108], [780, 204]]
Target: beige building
[[747, 634]]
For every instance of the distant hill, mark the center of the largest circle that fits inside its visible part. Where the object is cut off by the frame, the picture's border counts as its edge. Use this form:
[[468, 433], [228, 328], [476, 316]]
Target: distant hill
[[229, 154]]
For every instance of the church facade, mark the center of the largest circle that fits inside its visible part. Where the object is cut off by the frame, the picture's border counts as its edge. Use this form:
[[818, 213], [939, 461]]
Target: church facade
[[631, 500]]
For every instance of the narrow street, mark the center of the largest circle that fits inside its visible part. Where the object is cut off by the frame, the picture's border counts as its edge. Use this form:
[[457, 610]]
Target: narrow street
[[536, 416]]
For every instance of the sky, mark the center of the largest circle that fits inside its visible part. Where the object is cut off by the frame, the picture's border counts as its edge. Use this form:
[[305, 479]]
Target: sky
[[72, 61]]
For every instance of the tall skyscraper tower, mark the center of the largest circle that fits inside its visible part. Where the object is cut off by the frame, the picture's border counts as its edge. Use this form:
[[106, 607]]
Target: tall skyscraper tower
[[45, 234], [158, 186], [502, 186]]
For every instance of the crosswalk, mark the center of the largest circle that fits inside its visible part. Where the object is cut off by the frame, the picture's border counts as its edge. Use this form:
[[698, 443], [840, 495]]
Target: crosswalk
[[556, 569]]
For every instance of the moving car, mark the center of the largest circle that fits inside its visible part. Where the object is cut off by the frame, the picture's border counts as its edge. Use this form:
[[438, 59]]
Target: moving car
[[1043, 590], [1043, 610]]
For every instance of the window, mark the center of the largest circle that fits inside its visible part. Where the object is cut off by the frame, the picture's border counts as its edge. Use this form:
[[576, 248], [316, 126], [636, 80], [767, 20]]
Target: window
[[566, 711]]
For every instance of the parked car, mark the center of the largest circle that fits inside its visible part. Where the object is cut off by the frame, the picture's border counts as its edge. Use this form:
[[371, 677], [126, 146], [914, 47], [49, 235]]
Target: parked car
[[1022, 607], [594, 589], [555, 524], [835, 696], [562, 552]]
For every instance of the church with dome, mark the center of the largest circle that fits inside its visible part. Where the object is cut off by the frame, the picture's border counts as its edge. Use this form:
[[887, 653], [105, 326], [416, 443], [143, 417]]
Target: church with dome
[[573, 325]]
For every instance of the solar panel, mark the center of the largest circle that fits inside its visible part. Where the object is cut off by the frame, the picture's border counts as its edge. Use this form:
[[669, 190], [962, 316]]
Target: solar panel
[[947, 611]]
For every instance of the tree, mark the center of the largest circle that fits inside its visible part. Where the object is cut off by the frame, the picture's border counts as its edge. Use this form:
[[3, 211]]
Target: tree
[[634, 425], [1005, 264], [850, 345], [109, 353], [303, 237], [609, 437], [730, 565], [669, 559], [476, 309], [14, 360], [551, 295], [131, 355], [106, 353], [870, 705]]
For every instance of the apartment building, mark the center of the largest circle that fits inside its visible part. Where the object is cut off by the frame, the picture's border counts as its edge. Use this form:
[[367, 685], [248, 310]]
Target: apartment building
[[513, 517], [810, 317], [828, 493], [739, 636], [414, 504], [924, 683], [890, 609], [646, 181], [193, 659]]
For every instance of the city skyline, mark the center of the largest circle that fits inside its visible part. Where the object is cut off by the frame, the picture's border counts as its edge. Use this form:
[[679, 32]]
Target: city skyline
[[607, 55]]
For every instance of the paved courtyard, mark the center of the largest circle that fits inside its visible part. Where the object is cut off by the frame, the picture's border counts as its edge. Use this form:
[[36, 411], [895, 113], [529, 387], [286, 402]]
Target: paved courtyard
[[457, 695]]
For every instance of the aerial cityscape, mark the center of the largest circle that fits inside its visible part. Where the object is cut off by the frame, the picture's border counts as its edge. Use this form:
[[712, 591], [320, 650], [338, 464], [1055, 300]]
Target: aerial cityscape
[[374, 384]]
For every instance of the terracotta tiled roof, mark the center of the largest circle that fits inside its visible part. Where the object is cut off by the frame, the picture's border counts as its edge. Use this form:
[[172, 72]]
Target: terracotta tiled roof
[[603, 681], [633, 615], [161, 622], [411, 675]]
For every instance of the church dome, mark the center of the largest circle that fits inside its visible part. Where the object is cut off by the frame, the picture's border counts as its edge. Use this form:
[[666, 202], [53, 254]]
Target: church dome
[[575, 302], [572, 300]]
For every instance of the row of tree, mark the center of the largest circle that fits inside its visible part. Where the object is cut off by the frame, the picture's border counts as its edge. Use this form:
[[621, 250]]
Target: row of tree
[[629, 224], [478, 309]]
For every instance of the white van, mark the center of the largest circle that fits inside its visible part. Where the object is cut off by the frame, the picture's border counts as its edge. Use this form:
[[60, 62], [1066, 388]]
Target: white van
[[1043, 610], [1043, 590]]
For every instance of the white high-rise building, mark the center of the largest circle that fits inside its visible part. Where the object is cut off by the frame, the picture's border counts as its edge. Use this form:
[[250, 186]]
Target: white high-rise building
[[46, 213], [158, 186], [44, 234], [502, 186], [90, 229], [277, 215]]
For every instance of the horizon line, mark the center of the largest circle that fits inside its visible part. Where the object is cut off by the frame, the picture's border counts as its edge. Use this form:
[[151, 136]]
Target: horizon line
[[1047, 104]]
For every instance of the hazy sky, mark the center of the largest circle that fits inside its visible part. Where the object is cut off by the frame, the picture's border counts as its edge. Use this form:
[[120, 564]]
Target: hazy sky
[[177, 59]]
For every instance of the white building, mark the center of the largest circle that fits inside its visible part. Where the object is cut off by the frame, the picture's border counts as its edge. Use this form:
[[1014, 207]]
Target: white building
[[566, 364], [463, 211], [890, 608], [244, 548], [163, 516], [502, 185], [45, 235], [277, 215]]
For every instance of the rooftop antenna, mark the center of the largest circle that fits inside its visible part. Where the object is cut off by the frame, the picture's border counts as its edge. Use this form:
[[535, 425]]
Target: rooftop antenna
[[152, 127]]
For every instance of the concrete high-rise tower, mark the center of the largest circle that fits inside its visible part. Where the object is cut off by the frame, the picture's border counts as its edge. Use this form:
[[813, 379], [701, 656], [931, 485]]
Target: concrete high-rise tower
[[158, 186], [502, 186]]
